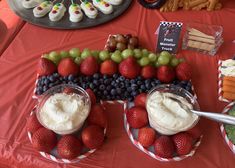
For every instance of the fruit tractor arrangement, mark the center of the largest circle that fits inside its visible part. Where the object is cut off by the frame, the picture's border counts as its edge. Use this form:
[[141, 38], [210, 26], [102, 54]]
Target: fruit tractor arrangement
[[123, 71]]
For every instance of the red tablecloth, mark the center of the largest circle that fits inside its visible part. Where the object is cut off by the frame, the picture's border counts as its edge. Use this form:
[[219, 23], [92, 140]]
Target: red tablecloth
[[17, 77]]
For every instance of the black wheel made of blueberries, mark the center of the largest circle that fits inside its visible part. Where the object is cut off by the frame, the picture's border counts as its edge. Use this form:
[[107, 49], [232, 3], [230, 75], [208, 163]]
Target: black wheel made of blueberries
[[152, 4], [112, 75]]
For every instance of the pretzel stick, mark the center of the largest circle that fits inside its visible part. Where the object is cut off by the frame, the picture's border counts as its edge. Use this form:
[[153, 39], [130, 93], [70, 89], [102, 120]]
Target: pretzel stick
[[175, 5], [200, 6], [212, 5], [218, 6]]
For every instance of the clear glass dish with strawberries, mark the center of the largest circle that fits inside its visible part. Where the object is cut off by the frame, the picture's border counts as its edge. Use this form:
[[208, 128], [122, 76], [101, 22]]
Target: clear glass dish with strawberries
[[161, 125], [67, 125]]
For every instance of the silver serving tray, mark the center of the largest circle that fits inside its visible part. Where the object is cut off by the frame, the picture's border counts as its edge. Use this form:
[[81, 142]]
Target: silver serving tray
[[64, 23]]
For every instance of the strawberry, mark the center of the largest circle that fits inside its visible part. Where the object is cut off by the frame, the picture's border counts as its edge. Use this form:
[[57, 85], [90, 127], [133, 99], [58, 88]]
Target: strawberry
[[140, 100], [195, 132], [45, 67], [68, 90], [184, 71], [67, 67], [165, 74], [183, 143], [129, 68], [33, 123], [148, 72], [93, 136], [97, 116], [164, 147], [92, 96], [146, 136], [108, 67], [137, 117], [89, 66], [69, 147], [44, 140]]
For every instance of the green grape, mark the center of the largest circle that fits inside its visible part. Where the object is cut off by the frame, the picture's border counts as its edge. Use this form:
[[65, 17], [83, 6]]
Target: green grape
[[163, 59], [85, 53], [166, 54], [174, 62], [78, 60], [54, 56], [137, 53], [117, 56], [152, 57], [64, 54], [181, 60], [74, 52], [127, 52], [104, 55], [95, 53], [144, 61], [157, 64], [45, 56], [145, 52]]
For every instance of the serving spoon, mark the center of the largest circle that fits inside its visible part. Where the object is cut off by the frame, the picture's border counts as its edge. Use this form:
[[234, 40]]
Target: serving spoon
[[224, 118]]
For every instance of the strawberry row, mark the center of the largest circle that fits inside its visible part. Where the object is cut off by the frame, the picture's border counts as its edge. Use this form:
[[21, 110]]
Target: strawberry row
[[164, 146]]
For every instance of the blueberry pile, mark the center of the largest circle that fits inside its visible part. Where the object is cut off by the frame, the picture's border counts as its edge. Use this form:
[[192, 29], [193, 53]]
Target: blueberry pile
[[115, 87]]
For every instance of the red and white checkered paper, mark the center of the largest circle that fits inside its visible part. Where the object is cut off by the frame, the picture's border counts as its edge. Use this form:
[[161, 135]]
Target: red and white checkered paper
[[222, 129]]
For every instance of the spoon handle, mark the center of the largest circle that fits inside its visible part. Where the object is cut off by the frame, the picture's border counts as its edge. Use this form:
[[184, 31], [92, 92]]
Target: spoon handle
[[224, 118]]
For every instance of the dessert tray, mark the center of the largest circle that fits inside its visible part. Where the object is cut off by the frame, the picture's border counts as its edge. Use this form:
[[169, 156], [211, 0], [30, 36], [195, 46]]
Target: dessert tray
[[65, 23]]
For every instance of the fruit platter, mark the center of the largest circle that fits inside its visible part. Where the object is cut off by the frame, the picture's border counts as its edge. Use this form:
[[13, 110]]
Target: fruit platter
[[228, 131], [69, 14], [122, 72]]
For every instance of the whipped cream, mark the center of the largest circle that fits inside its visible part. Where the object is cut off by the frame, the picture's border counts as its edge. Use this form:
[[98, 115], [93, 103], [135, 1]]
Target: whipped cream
[[114, 2], [103, 6], [228, 68], [64, 113], [169, 113]]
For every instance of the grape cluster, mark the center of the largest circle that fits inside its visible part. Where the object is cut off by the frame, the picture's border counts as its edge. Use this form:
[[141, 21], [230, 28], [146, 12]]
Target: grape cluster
[[115, 87]]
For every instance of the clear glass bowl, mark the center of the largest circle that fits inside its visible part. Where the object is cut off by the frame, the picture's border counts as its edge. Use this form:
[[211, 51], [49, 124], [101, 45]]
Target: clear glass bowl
[[170, 88], [60, 89]]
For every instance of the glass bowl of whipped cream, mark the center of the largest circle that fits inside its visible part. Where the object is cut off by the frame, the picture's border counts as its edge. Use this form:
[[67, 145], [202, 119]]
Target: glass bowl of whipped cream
[[169, 109], [63, 108]]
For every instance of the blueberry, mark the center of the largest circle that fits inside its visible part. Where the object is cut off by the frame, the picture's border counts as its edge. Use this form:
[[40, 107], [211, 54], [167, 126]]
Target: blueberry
[[121, 85], [70, 82], [43, 77], [101, 80], [142, 87], [130, 99], [83, 85], [108, 97], [57, 82], [119, 90], [45, 88], [108, 88], [95, 82], [121, 78], [113, 92], [188, 88], [148, 86], [105, 77], [117, 81], [102, 87], [139, 78], [52, 78], [134, 87], [132, 81], [50, 85], [105, 92], [46, 81], [56, 74], [115, 76], [106, 82], [129, 89], [134, 93], [71, 77], [75, 80], [148, 81], [153, 84], [141, 90], [95, 90], [113, 83], [139, 82], [158, 82], [61, 78], [96, 76], [88, 78]]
